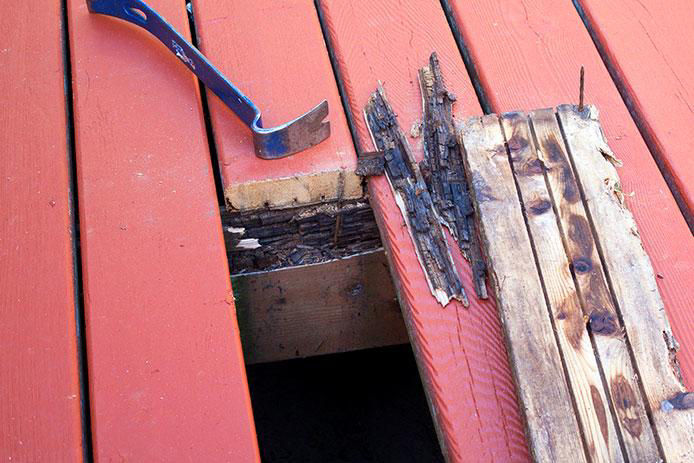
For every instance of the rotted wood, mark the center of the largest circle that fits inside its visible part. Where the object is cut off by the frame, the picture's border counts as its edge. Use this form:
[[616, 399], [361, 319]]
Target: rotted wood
[[590, 398], [413, 199], [632, 284], [443, 171], [337, 306], [272, 239]]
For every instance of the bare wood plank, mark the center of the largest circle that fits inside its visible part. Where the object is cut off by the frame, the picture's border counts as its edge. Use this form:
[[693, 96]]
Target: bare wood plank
[[596, 301], [337, 306], [39, 384], [553, 430], [593, 409], [631, 279]]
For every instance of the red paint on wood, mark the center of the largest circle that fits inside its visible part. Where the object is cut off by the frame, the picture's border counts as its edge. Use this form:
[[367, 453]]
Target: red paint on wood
[[40, 405], [648, 43], [460, 352], [166, 373], [274, 52], [530, 57]]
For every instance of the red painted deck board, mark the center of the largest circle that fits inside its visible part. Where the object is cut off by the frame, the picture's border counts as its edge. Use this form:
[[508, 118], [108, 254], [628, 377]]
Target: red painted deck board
[[460, 352], [166, 373], [648, 44], [274, 52], [528, 55], [40, 397]]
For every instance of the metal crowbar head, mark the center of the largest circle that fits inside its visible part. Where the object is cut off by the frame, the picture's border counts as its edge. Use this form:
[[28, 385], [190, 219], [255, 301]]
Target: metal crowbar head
[[270, 143]]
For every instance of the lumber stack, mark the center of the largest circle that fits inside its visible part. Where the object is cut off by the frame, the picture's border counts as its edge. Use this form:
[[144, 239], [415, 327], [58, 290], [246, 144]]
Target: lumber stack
[[589, 342]]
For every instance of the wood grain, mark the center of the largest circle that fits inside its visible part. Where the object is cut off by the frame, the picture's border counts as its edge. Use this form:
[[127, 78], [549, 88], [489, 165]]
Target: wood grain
[[40, 405], [553, 430], [167, 379], [274, 52], [645, 322], [646, 45], [460, 352], [592, 406], [338, 306], [596, 301], [530, 57]]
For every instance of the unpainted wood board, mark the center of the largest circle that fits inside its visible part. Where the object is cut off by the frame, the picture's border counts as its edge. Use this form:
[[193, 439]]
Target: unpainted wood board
[[596, 300], [40, 404], [461, 354], [632, 280], [592, 406], [530, 58], [553, 430], [337, 306], [647, 45], [166, 373], [274, 52]]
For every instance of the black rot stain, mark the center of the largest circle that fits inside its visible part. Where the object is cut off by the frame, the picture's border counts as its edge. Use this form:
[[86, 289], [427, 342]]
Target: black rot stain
[[539, 206], [600, 412], [625, 403], [603, 322], [582, 265], [579, 233], [569, 183], [551, 146]]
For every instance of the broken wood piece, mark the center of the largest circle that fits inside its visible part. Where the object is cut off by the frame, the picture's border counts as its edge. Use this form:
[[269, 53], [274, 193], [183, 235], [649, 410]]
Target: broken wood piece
[[413, 199], [443, 171], [370, 164], [592, 406], [631, 279], [553, 430]]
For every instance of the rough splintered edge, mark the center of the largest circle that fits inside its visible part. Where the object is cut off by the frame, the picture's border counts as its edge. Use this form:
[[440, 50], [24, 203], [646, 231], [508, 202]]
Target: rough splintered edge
[[298, 190]]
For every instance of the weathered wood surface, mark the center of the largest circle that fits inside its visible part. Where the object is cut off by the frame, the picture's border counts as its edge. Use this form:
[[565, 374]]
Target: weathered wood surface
[[528, 55], [590, 397], [336, 306], [596, 301], [274, 52], [544, 394], [460, 352], [647, 48], [39, 384], [166, 374], [633, 283]]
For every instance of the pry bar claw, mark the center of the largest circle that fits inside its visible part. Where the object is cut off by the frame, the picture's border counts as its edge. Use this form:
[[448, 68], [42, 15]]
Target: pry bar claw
[[270, 143]]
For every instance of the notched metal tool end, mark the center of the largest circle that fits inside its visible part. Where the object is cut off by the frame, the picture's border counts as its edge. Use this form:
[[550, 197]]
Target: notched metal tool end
[[297, 135]]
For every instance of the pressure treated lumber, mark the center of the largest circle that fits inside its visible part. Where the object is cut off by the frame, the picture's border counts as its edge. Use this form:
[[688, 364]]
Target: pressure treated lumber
[[592, 406], [647, 48], [632, 281], [274, 52], [337, 306], [39, 385], [530, 58], [460, 352], [166, 374], [596, 301]]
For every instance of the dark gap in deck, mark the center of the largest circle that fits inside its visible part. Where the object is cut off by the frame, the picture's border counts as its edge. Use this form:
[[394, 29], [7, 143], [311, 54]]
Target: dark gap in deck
[[467, 58], [214, 157], [364, 406], [338, 77], [73, 199], [637, 116]]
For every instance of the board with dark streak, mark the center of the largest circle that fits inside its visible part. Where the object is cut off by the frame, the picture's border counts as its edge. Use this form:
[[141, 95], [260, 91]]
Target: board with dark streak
[[592, 407], [598, 308]]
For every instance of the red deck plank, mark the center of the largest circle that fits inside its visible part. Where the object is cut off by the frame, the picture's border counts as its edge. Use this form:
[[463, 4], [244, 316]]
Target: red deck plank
[[647, 42], [460, 352], [40, 404], [166, 373], [275, 53], [529, 57]]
